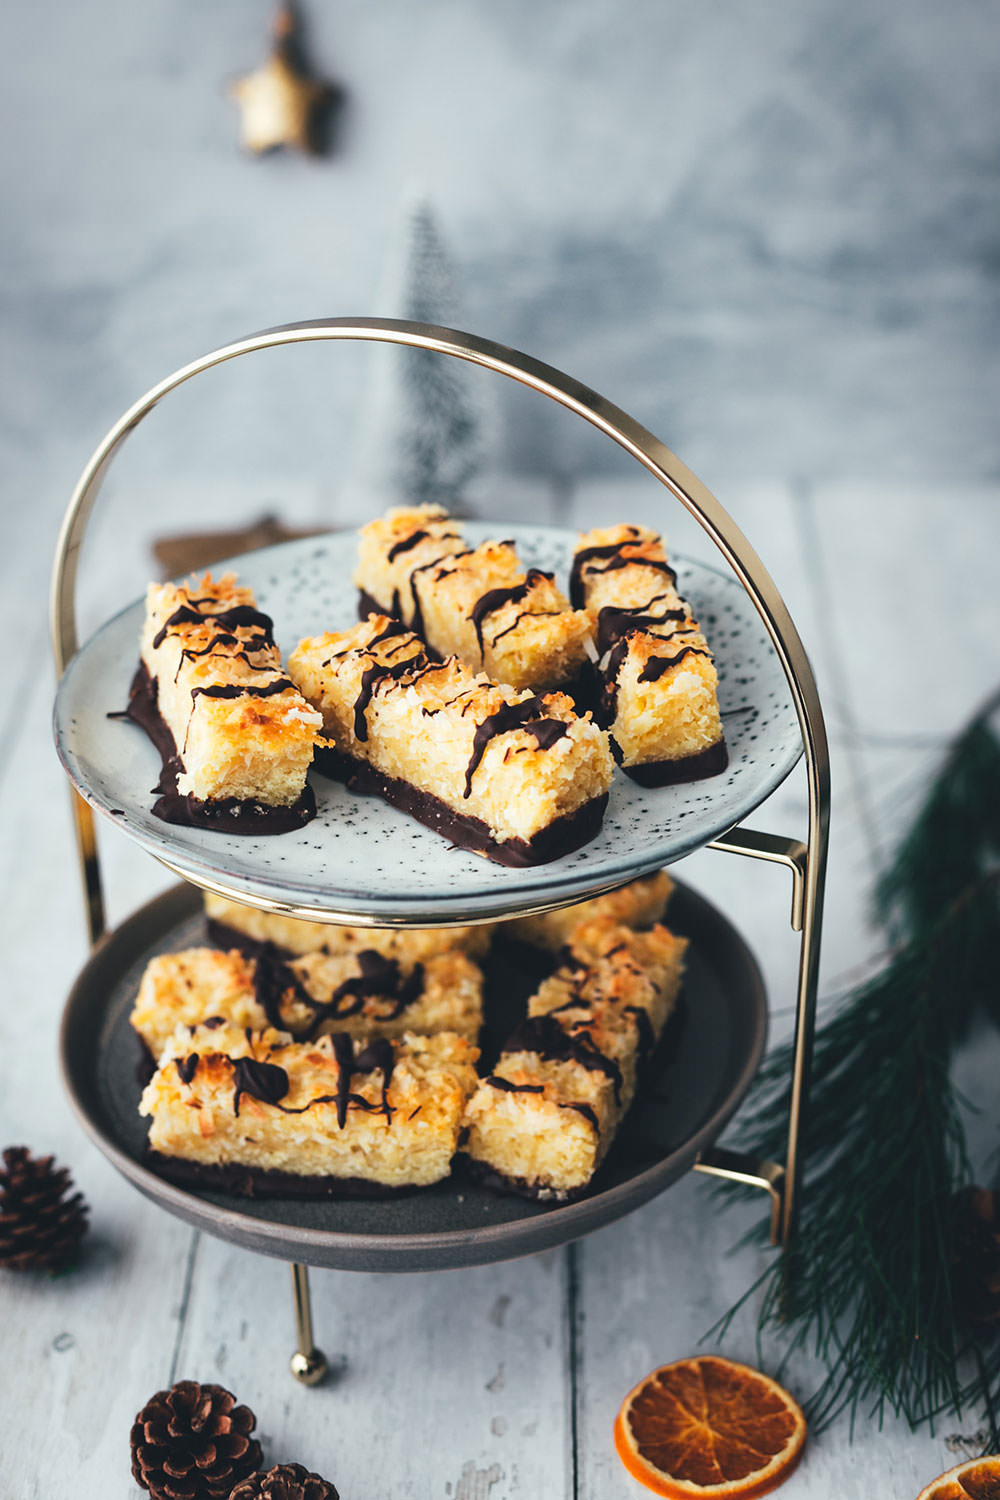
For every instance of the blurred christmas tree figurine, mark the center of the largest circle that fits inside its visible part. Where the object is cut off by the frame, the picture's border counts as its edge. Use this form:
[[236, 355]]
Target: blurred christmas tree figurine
[[437, 449]]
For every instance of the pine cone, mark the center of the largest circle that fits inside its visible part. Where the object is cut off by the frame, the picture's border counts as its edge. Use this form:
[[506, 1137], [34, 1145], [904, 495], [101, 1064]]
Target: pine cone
[[40, 1228], [285, 1482], [976, 1264], [193, 1443]]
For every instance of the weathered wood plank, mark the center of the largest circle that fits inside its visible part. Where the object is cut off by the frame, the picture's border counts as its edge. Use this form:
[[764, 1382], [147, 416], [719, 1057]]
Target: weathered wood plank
[[919, 563], [83, 1351], [450, 1383]]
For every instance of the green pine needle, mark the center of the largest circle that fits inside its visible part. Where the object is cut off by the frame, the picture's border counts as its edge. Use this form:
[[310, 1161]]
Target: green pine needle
[[866, 1283], [953, 838]]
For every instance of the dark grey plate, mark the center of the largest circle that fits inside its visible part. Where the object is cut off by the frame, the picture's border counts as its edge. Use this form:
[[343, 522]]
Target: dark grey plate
[[699, 1074]]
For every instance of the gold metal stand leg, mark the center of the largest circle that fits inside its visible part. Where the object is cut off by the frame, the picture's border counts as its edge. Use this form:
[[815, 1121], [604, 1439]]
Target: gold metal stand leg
[[308, 1364], [90, 868], [807, 864], [735, 1166]]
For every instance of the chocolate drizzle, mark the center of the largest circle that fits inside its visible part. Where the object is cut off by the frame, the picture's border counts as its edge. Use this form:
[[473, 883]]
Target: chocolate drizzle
[[240, 616], [186, 1067], [269, 1083], [657, 666], [543, 1035], [528, 614], [262, 1080], [371, 677], [524, 715], [587, 1111], [406, 544], [589, 557], [223, 638], [379, 978], [495, 599], [377, 1054], [243, 689], [411, 541], [417, 618], [389, 632], [654, 669], [613, 623], [272, 978], [506, 1086], [607, 705]]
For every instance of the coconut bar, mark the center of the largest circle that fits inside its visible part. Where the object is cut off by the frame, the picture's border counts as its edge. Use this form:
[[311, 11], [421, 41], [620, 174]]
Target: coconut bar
[[477, 603], [638, 904], [542, 1122], [516, 776], [364, 994], [658, 683], [235, 736], [191, 987], [255, 1112], [233, 925]]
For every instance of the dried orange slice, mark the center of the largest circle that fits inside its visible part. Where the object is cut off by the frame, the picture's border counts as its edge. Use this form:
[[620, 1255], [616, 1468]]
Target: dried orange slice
[[979, 1479], [708, 1426]]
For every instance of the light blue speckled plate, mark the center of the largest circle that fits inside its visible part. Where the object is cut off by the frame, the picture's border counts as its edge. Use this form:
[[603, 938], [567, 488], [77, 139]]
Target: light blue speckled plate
[[373, 864]]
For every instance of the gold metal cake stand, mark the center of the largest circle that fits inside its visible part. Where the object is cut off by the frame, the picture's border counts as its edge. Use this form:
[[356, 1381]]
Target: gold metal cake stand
[[806, 861]]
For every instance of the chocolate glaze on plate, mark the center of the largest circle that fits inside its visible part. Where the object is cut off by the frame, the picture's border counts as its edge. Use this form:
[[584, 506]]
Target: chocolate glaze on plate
[[225, 814]]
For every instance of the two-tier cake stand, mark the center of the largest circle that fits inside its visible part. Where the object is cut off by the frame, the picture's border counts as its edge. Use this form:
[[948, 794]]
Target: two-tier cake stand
[[362, 863]]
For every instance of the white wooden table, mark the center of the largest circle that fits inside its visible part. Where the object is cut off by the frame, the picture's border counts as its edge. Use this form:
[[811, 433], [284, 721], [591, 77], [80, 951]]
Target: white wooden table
[[502, 1381]]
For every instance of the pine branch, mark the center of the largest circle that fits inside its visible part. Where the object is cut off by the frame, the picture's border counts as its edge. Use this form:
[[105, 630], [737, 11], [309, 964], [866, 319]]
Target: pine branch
[[868, 1282], [953, 837]]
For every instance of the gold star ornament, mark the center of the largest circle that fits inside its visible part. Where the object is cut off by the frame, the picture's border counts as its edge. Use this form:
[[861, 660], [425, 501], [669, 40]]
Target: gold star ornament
[[281, 103]]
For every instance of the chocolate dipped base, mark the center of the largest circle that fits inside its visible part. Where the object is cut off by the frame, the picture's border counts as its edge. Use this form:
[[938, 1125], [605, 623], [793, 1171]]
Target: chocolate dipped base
[[466, 832], [254, 1182], [589, 693], [655, 773], [224, 815], [519, 1187]]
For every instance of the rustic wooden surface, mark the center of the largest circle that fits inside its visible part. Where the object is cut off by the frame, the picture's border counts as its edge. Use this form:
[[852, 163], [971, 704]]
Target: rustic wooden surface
[[501, 1381]]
